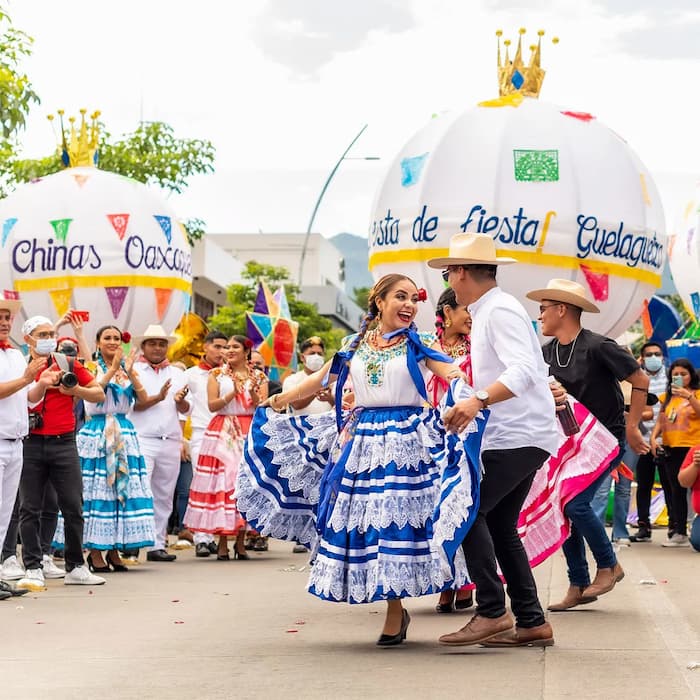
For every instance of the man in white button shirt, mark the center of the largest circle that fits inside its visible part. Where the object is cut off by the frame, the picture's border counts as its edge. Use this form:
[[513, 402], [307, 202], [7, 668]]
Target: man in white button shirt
[[215, 344], [15, 377], [157, 423], [510, 377]]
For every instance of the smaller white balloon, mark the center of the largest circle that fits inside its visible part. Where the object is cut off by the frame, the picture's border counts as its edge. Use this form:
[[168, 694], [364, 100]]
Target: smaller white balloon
[[684, 254]]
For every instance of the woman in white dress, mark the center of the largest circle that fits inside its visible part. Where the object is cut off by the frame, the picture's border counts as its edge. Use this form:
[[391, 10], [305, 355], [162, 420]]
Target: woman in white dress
[[381, 493]]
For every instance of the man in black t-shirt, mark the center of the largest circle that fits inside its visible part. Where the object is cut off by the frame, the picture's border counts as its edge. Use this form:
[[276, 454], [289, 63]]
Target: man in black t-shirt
[[590, 367]]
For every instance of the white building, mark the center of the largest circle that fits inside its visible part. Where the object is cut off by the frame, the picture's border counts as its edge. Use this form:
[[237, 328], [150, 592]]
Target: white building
[[218, 260]]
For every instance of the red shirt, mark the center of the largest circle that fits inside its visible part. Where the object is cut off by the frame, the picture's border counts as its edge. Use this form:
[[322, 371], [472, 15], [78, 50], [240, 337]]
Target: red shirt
[[57, 408], [695, 493]]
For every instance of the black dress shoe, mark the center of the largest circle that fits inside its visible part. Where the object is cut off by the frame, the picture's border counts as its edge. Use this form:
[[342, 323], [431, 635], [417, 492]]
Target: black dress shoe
[[390, 640], [160, 555], [4, 595]]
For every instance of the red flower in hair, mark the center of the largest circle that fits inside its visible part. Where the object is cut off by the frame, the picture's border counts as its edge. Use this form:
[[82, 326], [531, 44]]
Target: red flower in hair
[[248, 344], [422, 294], [126, 337]]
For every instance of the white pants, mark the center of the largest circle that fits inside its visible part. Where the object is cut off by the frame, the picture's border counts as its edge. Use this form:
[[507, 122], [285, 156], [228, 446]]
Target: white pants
[[10, 471], [162, 459], [195, 447]]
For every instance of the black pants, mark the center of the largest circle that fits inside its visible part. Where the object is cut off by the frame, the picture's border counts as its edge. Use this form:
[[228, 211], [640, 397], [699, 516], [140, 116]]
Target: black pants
[[679, 494], [51, 459], [47, 526], [645, 473], [507, 480]]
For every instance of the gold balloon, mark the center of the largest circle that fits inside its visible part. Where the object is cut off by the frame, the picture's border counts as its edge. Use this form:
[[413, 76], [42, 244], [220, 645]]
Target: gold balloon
[[189, 346]]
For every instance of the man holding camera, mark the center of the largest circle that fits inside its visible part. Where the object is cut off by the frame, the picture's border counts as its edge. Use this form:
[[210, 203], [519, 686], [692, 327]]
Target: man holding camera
[[50, 454]]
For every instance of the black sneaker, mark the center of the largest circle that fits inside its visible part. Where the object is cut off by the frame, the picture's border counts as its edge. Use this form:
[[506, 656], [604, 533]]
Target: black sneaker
[[212, 547], [202, 550], [643, 534]]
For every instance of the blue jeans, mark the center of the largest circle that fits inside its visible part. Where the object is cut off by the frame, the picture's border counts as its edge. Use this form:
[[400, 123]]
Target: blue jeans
[[182, 491], [587, 528], [621, 502], [695, 533]]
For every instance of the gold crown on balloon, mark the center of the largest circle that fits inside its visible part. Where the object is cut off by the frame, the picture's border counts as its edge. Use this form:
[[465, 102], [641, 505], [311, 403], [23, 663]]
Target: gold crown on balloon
[[515, 76], [79, 144]]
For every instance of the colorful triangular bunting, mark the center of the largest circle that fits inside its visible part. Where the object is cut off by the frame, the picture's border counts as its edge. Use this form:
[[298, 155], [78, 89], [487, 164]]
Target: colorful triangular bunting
[[7, 226], [598, 283], [119, 223], [61, 300], [60, 227], [162, 301], [116, 296], [166, 226]]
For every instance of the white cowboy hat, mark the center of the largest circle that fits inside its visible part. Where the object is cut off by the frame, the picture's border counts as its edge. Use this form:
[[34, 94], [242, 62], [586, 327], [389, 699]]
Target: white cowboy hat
[[566, 292], [471, 249], [10, 300], [154, 332]]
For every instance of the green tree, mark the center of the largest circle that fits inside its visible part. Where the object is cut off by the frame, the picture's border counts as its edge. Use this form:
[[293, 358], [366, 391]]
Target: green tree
[[16, 93], [231, 318], [360, 296], [151, 154]]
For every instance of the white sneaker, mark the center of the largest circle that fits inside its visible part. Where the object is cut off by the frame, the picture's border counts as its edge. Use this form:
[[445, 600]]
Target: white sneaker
[[33, 580], [81, 576], [11, 570], [676, 541], [623, 542], [50, 569]]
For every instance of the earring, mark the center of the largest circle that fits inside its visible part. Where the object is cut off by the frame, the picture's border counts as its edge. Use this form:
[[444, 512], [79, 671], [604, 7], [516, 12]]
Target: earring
[[448, 322], [379, 315]]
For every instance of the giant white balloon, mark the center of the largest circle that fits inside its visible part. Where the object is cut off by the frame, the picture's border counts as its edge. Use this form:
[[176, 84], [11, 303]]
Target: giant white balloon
[[557, 190], [684, 254], [88, 239]]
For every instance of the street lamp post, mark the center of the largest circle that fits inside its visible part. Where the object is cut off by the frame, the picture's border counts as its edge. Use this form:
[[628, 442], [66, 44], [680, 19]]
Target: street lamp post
[[320, 197]]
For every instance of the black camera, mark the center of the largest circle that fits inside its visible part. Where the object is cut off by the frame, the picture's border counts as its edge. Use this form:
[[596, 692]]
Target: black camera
[[36, 421], [67, 380]]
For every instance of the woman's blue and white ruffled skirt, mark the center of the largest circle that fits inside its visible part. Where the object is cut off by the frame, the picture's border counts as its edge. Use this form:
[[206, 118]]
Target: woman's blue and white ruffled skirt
[[384, 505]]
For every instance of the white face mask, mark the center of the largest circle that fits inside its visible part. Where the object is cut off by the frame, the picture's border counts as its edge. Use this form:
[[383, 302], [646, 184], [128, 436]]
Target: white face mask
[[45, 346], [313, 362]]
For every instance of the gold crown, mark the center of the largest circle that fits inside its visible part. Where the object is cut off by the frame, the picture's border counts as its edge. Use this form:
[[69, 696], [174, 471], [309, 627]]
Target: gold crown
[[515, 76], [79, 145]]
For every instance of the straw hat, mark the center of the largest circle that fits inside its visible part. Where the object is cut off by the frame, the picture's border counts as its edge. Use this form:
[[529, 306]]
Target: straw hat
[[155, 332], [10, 301], [566, 292], [471, 249]]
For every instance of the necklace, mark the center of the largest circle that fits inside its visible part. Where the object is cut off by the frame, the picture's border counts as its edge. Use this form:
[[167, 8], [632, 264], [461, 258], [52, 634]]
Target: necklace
[[376, 339], [571, 353], [460, 348]]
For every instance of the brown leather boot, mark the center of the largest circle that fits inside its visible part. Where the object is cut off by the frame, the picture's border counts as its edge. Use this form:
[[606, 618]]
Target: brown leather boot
[[540, 636], [604, 581], [574, 596]]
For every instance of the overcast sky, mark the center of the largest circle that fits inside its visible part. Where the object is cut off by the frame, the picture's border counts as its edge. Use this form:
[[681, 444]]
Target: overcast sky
[[282, 86]]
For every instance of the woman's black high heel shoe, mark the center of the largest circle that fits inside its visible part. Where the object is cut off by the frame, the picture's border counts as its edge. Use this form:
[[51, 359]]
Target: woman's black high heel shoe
[[446, 607], [97, 569], [119, 568], [240, 555], [390, 640], [465, 603]]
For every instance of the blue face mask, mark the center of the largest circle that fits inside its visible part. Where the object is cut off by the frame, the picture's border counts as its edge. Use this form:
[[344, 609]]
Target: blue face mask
[[653, 363], [45, 346]]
